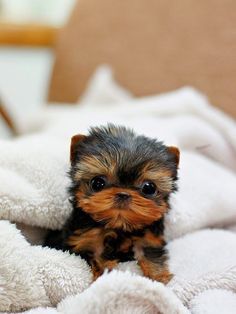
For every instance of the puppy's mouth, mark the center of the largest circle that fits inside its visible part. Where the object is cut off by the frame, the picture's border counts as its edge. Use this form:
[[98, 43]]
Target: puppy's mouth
[[125, 209]]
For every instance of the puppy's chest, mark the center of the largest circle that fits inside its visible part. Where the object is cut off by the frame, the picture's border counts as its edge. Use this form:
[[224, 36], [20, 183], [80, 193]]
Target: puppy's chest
[[119, 247], [107, 244]]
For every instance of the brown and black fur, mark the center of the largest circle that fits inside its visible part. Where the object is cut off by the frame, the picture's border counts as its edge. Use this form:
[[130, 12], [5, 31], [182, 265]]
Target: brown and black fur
[[119, 223]]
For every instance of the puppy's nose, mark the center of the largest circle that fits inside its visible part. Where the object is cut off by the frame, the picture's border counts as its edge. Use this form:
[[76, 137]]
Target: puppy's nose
[[123, 196]]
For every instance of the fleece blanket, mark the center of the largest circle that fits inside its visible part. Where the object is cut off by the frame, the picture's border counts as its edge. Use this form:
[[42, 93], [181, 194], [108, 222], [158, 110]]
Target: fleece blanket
[[200, 228]]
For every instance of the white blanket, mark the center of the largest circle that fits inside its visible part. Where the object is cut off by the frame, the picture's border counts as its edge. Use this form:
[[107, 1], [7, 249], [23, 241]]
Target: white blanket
[[33, 195]]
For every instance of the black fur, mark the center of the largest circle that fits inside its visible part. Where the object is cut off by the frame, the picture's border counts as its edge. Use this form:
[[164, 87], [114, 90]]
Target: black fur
[[130, 153]]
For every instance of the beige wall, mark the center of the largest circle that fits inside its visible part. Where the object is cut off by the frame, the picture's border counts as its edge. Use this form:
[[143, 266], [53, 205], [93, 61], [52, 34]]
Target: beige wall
[[154, 46]]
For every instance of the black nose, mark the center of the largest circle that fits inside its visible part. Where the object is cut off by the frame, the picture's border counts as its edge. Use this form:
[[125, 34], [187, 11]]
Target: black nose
[[123, 196]]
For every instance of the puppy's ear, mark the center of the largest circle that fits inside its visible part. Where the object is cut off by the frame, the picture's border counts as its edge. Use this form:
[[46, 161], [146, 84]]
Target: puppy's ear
[[74, 141], [175, 152]]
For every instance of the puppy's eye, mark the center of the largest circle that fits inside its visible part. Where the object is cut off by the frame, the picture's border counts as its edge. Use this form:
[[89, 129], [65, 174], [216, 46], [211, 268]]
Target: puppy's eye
[[98, 183], [149, 188]]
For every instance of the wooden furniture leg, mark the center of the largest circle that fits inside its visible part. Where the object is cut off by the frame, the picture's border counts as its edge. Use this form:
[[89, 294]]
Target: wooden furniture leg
[[6, 117]]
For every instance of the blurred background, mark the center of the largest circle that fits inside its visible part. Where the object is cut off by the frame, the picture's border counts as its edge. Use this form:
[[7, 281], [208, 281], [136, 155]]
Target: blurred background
[[28, 30], [50, 48], [50, 12]]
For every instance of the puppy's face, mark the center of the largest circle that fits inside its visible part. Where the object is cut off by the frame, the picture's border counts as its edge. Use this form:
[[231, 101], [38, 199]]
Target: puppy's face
[[122, 180]]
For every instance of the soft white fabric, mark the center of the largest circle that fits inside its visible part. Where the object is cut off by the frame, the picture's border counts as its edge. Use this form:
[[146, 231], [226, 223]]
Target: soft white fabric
[[214, 301], [33, 191], [36, 276], [123, 293], [102, 90]]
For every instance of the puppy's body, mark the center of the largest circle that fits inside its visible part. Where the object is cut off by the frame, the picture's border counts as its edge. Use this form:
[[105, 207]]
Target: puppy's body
[[120, 189]]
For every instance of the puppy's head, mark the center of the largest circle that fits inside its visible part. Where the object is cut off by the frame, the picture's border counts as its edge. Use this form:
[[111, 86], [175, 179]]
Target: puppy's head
[[120, 179]]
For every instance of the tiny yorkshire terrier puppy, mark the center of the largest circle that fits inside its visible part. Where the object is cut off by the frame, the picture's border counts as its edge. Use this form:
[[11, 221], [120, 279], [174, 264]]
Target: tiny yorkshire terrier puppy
[[120, 189]]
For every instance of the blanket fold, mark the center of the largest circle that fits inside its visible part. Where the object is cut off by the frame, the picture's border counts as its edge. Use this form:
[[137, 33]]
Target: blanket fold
[[33, 192], [32, 276]]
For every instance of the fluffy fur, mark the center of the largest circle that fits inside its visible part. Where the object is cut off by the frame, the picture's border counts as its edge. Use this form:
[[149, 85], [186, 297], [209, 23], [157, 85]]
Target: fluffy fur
[[120, 218]]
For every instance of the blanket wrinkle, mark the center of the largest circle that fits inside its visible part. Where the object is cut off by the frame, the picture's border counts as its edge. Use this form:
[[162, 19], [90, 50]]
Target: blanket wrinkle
[[118, 297], [214, 301], [33, 195], [186, 291]]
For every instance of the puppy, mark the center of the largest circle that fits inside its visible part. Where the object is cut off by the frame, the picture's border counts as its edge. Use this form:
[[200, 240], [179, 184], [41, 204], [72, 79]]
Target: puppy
[[120, 188]]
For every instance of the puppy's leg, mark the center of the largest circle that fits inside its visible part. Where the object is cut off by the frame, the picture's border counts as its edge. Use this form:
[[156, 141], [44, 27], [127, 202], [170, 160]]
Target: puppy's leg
[[155, 270], [99, 265], [152, 258], [105, 259]]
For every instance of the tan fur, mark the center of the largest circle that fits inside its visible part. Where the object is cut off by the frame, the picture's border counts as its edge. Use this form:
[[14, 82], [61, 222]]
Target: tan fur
[[91, 166], [175, 151], [152, 240], [161, 177], [139, 211], [80, 241], [115, 237], [74, 141], [155, 271], [99, 265]]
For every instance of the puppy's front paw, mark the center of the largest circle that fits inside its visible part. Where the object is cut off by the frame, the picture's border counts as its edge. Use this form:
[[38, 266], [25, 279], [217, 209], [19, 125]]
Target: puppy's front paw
[[99, 267], [155, 271]]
